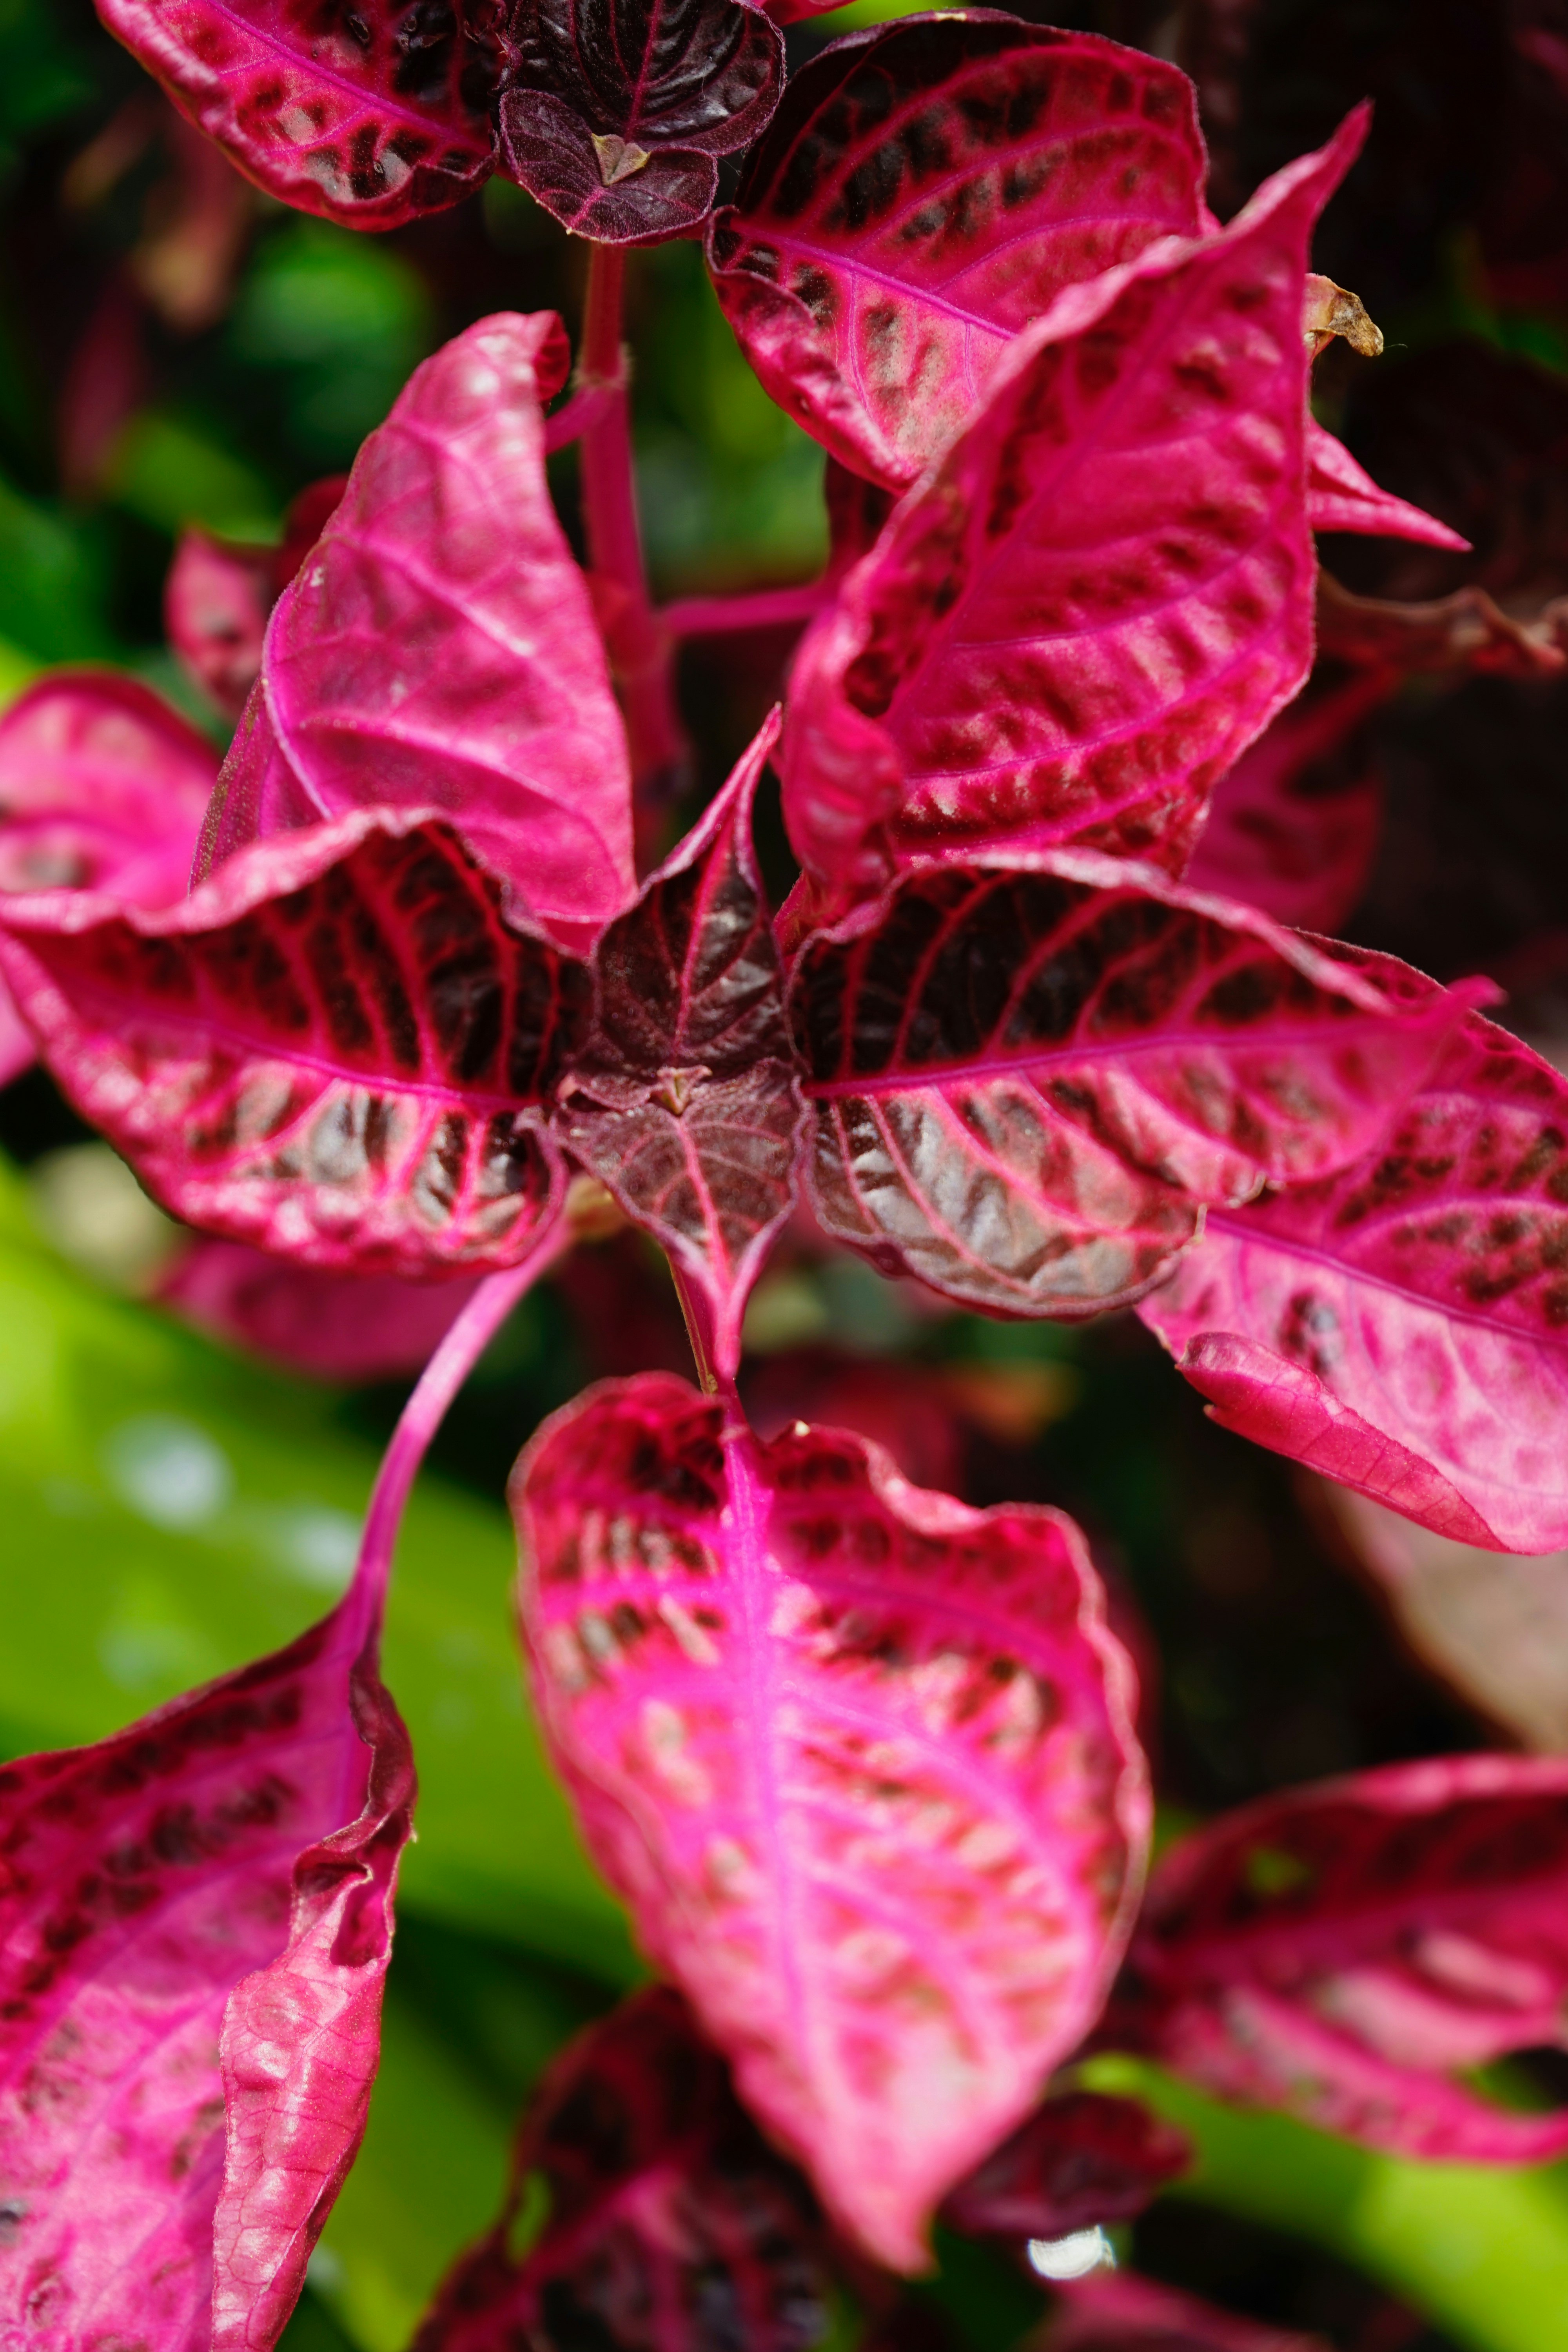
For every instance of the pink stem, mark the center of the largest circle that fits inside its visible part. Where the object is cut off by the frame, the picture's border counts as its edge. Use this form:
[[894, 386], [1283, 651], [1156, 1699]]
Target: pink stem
[[422, 1416], [639, 646], [769, 608], [711, 1376], [572, 420]]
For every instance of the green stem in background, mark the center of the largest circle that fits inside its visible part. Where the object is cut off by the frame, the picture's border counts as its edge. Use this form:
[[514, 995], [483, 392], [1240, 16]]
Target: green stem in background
[[1482, 2249], [640, 645]]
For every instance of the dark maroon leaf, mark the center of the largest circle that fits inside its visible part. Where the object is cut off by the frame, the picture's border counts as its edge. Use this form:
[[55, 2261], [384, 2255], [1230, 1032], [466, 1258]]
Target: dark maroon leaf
[[1463, 634], [1081, 2159], [673, 2226], [618, 108], [684, 1101], [369, 111], [337, 1047], [925, 190], [1028, 1082]]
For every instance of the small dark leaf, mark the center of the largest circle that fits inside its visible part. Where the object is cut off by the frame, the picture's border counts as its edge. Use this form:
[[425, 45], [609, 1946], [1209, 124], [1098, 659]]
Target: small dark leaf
[[685, 1101], [1118, 2312], [619, 107], [673, 2226], [1080, 2159]]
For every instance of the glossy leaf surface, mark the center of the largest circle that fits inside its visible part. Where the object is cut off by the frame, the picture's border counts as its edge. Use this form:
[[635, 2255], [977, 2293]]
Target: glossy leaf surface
[[860, 1762], [924, 191], [225, 1867], [439, 650], [1400, 1326], [1119, 2312], [1293, 829], [617, 112], [1027, 1083], [1081, 2159], [336, 1047], [673, 2226], [1343, 495], [339, 1327], [1345, 1950], [370, 115], [684, 1100], [1100, 592]]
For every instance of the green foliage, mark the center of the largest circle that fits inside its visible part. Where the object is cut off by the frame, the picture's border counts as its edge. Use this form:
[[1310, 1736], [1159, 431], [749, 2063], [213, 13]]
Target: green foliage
[[53, 582]]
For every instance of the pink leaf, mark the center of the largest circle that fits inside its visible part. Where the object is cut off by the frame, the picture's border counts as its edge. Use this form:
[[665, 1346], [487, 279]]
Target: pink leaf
[[337, 1046], [925, 191], [684, 1100], [1082, 2159], [339, 1327], [1101, 591], [439, 650], [222, 1871], [673, 2226], [1118, 2312], [1294, 828], [858, 1757], [1343, 1950], [1400, 1326], [372, 117], [217, 601], [1027, 1081], [1340, 496], [102, 788]]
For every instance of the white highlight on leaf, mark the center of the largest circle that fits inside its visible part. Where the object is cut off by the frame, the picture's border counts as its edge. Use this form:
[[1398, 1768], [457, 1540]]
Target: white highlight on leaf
[[1072, 2257]]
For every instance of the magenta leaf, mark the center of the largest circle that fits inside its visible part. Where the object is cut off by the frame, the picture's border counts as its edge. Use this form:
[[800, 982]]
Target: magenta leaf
[[218, 1876], [618, 108], [370, 114], [924, 191], [1400, 1326], [858, 1757], [337, 1047], [673, 2226], [440, 649], [1028, 1082], [1294, 828], [1117, 2311], [684, 1100], [219, 593], [1101, 591], [1345, 1950], [102, 788], [339, 1327], [1340, 496], [1082, 2159]]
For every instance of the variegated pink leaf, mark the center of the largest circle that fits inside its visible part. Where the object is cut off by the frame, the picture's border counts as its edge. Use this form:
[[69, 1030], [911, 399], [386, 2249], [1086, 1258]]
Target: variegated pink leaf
[[370, 114], [439, 650], [102, 788], [617, 109], [338, 1047], [925, 190], [1345, 1950], [1294, 828], [1027, 1081], [339, 1327], [1101, 591], [684, 1100], [860, 1760], [1081, 2159], [219, 593], [194, 1922], [673, 2227], [1341, 496], [1401, 1325], [1116, 2311]]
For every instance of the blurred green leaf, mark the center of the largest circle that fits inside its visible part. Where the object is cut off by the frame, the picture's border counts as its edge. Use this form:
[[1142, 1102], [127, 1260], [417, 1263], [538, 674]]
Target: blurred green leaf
[[170, 471], [172, 1512], [46, 76], [51, 582]]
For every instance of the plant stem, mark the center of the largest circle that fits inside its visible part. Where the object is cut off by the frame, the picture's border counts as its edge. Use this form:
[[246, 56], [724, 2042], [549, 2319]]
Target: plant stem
[[638, 645], [700, 1331], [769, 608], [572, 420], [427, 1407]]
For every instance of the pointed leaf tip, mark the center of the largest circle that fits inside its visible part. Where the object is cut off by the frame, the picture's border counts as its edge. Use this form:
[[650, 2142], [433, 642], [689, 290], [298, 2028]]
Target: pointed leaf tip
[[860, 1758], [685, 1101]]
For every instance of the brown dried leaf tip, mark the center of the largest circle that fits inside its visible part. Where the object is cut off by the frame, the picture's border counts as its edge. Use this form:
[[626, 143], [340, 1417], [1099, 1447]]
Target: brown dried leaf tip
[[1330, 311]]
